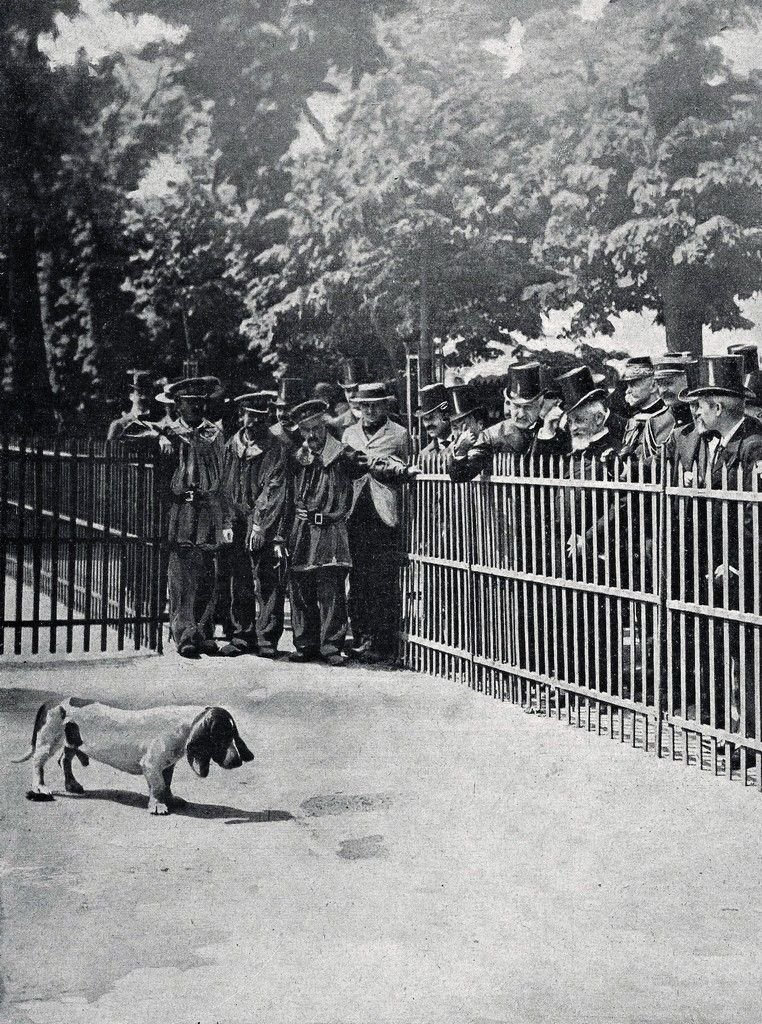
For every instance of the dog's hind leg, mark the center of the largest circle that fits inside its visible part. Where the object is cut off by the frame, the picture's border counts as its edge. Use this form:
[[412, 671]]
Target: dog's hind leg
[[49, 738], [70, 783]]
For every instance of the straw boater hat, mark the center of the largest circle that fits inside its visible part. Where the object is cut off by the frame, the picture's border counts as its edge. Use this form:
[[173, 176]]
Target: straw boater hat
[[719, 375], [255, 401], [578, 387], [525, 384], [200, 388], [306, 412], [375, 392], [431, 398], [638, 368], [464, 402]]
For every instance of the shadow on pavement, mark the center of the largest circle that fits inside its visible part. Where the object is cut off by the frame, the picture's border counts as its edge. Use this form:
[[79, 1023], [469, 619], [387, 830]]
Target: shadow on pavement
[[231, 815]]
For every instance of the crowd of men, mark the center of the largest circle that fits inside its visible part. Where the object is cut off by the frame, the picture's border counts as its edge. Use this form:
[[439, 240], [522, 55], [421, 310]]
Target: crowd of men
[[301, 494]]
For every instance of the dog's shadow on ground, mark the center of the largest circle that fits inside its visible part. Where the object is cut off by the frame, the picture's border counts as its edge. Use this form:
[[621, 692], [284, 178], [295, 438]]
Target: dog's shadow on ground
[[186, 809]]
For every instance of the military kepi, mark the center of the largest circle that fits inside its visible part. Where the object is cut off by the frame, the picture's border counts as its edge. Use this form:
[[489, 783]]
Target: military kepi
[[719, 375], [255, 401], [638, 368], [314, 409], [431, 398]]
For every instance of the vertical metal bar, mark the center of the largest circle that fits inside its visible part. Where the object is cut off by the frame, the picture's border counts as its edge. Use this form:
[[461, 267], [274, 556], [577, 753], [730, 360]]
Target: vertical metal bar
[[661, 651], [55, 506], [37, 453], [122, 466], [4, 539], [72, 544], [20, 545]]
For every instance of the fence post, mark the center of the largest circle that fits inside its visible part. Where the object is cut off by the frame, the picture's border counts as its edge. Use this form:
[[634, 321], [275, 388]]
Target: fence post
[[661, 647]]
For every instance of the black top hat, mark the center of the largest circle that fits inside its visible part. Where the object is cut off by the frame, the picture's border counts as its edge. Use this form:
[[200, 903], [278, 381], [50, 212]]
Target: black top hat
[[140, 385], [353, 371], [202, 388], [463, 402], [577, 387], [638, 368], [375, 392], [432, 397], [290, 391], [525, 383], [309, 410], [750, 355], [255, 401], [719, 375]]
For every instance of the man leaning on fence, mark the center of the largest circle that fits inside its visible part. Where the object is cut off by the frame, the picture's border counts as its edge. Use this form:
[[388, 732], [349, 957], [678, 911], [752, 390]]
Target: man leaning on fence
[[514, 435], [723, 452], [323, 470], [199, 516], [256, 485], [374, 527]]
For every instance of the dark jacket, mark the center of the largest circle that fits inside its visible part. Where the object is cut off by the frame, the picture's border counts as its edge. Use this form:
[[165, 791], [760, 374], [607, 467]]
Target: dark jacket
[[256, 483], [504, 438]]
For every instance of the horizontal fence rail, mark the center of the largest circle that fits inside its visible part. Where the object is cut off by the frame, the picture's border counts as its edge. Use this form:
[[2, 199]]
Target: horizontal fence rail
[[80, 545], [619, 597]]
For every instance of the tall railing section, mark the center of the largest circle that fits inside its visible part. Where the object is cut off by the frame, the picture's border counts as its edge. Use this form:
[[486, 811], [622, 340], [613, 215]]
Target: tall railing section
[[80, 546], [620, 597]]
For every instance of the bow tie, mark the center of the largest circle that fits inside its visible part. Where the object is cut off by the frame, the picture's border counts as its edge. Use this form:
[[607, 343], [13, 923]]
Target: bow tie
[[709, 434]]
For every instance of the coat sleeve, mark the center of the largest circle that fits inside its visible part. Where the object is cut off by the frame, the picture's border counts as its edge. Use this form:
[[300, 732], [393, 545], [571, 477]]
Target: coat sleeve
[[269, 508], [478, 459]]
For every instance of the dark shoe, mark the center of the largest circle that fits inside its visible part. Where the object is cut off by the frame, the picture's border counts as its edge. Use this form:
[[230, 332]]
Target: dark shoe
[[188, 650], [301, 656], [209, 647], [230, 651], [266, 652], [358, 649], [336, 660]]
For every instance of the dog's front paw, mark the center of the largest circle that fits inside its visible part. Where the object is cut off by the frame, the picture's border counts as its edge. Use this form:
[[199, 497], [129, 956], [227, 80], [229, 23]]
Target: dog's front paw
[[157, 807]]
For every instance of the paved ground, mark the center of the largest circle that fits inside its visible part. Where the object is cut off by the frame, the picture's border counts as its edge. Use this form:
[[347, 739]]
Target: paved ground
[[401, 850]]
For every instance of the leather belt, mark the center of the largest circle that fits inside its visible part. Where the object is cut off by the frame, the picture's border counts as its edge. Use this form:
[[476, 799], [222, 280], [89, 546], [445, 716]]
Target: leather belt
[[189, 497], [317, 518]]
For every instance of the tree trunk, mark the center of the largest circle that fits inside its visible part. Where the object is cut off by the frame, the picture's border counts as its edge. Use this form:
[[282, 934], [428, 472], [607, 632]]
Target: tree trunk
[[30, 378], [683, 305], [425, 353]]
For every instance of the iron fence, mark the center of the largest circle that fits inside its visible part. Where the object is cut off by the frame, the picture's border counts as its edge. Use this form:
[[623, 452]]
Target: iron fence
[[621, 598], [80, 529]]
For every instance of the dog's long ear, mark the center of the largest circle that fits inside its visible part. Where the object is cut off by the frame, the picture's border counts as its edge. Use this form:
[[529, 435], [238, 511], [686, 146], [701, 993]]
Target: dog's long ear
[[243, 751], [199, 749]]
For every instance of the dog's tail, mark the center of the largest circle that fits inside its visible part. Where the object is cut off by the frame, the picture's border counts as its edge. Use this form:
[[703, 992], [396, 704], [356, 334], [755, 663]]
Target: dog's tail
[[38, 723]]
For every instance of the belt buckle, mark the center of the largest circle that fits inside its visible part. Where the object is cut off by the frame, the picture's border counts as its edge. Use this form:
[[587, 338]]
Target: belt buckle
[[318, 519], [189, 497]]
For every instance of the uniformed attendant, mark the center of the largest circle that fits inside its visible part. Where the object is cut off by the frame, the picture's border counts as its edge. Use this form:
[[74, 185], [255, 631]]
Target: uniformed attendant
[[291, 392], [434, 415], [322, 493], [644, 401], [374, 527], [515, 434], [256, 486], [199, 516], [140, 409]]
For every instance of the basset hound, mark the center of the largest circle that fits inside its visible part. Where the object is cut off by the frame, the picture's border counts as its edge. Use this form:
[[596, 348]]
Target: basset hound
[[148, 743]]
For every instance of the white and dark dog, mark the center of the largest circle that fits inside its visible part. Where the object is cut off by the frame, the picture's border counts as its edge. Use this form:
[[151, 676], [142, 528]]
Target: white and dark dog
[[148, 743]]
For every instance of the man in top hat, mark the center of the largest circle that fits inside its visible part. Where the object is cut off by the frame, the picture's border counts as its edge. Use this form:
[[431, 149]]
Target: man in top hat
[[323, 470], [725, 439], [434, 415], [641, 393], [256, 487], [136, 420], [199, 516], [591, 426], [753, 378], [291, 392], [374, 526], [515, 434]]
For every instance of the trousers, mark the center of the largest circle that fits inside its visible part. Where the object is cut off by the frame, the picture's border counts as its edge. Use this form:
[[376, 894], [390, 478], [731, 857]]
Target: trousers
[[374, 593], [254, 580], [319, 609], [191, 581]]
